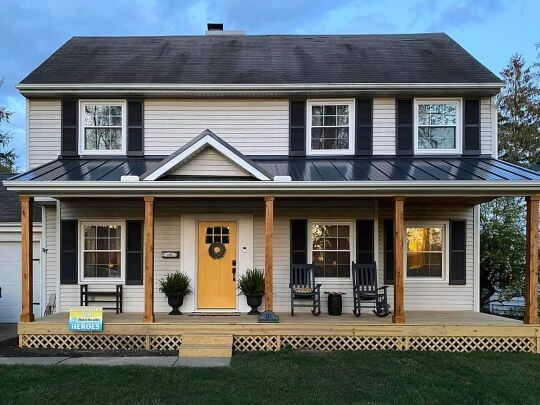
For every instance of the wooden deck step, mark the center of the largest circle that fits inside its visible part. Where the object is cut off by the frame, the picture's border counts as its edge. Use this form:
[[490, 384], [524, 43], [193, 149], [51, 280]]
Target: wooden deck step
[[204, 346]]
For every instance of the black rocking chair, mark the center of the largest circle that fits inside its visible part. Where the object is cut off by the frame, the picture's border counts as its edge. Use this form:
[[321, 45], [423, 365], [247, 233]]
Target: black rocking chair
[[365, 288], [303, 287]]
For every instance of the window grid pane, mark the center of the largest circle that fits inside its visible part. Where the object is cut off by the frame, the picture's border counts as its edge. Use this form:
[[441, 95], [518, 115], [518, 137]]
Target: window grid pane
[[102, 127], [102, 255], [425, 252], [437, 126], [331, 254], [329, 127]]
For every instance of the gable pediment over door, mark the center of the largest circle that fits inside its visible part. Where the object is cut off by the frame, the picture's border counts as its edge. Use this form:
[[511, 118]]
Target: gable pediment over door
[[207, 156], [209, 163]]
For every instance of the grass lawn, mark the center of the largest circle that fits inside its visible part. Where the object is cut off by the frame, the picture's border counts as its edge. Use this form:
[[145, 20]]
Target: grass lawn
[[292, 377]]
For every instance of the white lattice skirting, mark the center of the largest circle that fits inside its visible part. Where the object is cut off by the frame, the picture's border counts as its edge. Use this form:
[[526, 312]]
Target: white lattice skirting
[[243, 343]]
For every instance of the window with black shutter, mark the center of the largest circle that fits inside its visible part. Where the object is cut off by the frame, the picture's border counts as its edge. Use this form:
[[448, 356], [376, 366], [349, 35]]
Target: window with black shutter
[[297, 128], [69, 251]]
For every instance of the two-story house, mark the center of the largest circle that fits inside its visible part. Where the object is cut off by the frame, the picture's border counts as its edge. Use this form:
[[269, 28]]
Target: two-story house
[[284, 149]]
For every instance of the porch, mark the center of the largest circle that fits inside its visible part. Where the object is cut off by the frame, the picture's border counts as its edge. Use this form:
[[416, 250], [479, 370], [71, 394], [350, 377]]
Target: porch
[[423, 330]]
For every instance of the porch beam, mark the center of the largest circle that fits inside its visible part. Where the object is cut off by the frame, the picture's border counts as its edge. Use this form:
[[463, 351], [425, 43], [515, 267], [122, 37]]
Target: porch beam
[[399, 230], [269, 253], [149, 260], [27, 313], [531, 261]]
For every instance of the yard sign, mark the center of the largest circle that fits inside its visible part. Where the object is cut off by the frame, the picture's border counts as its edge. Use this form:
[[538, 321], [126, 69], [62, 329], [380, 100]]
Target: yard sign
[[86, 319]]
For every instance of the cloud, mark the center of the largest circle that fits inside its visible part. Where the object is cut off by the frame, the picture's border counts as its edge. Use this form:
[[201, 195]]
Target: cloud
[[441, 16]]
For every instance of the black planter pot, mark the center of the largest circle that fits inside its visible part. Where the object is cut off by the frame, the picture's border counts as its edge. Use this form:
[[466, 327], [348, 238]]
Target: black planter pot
[[254, 301], [175, 301]]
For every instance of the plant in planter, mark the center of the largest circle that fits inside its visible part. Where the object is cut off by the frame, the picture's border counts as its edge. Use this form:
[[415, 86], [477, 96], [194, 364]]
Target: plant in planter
[[175, 286], [251, 284]]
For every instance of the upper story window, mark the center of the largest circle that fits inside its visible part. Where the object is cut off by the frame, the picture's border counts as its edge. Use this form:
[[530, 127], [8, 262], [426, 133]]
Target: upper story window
[[330, 127], [103, 127], [437, 126]]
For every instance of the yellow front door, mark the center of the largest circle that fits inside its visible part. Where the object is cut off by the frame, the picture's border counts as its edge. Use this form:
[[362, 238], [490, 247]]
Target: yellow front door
[[216, 280]]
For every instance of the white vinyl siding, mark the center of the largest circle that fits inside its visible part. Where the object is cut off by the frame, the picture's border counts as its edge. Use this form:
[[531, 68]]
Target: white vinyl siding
[[44, 127], [50, 277], [435, 295], [254, 127], [486, 126], [208, 163], [384, 126], [424, 295]]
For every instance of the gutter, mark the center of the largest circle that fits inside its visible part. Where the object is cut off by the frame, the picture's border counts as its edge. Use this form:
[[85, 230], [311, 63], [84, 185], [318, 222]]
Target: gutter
[[231, 89], [461, 188]]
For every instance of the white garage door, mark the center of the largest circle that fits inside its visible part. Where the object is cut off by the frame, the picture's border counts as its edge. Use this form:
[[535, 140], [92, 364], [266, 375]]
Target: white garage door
[[10, 281]]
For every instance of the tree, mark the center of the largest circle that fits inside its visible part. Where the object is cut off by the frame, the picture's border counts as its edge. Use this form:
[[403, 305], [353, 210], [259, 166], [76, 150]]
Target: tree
[[502, 241], [7, 156], [502, 221], [519, 114]]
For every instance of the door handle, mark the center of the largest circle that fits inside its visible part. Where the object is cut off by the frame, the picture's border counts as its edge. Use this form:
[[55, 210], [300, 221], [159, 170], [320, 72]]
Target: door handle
[[234, 270]]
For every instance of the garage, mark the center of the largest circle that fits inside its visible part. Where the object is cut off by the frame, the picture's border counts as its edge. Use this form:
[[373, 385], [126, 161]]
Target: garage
[[10, 281], [10, 257]]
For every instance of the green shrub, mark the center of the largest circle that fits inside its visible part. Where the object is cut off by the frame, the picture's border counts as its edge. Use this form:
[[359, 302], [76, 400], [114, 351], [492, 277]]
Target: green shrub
[[252, 282], [175, 284]]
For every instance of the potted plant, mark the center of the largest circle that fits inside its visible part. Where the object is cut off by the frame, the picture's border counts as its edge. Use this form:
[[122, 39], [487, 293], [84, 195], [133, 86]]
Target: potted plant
[[251, 284], [175, 286]]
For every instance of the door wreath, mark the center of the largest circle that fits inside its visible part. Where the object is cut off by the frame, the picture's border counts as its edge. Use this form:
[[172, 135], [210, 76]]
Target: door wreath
[[217, 250]]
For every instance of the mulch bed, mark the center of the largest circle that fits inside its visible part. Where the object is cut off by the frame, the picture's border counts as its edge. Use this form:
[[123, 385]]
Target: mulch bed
[[10, 348]]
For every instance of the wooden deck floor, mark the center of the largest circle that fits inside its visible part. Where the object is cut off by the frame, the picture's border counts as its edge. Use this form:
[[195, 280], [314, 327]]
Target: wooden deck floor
[[423, 330], [412, 318]]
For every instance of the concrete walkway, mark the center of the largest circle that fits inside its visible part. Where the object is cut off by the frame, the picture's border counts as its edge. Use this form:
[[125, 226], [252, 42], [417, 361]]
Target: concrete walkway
[[149, 361]]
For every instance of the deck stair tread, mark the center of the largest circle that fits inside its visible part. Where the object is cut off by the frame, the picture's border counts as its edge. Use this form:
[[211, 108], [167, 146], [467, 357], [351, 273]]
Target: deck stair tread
[[204, 346]]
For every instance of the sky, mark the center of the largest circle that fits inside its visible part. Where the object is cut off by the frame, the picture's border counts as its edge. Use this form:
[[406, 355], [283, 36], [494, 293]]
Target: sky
[[30, 31]]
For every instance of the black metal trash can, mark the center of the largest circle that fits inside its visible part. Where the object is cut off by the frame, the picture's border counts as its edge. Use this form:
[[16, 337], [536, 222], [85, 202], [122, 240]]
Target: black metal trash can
[[335, 303]]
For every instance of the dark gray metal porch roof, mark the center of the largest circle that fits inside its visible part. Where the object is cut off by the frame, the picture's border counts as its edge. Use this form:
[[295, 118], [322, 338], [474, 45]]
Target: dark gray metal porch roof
[[302, 169]]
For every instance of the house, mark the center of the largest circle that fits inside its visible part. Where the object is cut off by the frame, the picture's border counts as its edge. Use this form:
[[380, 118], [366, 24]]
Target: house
[[287, 149], [10, 256]]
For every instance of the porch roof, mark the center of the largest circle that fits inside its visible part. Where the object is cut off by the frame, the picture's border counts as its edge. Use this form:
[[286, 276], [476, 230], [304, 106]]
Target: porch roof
[[377, 176], [305, 169]]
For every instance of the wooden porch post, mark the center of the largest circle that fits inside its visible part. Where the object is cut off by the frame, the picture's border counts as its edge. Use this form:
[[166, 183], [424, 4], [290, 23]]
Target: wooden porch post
[[531, 261], [27, 314], [269, 253], [149, 260], [399, 313]]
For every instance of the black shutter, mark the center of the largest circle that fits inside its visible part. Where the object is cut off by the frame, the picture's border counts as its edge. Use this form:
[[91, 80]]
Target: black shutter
[[364, 241], [297, 128], [134, 252], [364, 127], [458, 273], [135, 137], [404, 127], [471, 128], [299, 241], [68, 251], [70, 136], [389, 251]]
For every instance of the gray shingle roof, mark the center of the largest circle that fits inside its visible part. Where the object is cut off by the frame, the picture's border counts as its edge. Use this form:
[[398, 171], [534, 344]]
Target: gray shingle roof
[[304, 169], [10, 208], [251, 59]]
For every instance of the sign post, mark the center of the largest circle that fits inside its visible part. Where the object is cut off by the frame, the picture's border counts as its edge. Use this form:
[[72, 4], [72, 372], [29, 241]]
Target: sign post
[[86, 319]]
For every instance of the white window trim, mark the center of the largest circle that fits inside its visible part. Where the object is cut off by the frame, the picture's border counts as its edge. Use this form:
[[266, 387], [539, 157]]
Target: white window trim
[[82, 150], [352, 241], [445, 251], [459, 124], [102, 280], [352, 135]]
